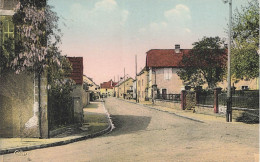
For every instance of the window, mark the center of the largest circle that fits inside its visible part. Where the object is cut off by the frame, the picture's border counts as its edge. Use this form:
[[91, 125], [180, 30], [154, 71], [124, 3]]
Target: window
[[167, 73], [245, 87], [7, 28]]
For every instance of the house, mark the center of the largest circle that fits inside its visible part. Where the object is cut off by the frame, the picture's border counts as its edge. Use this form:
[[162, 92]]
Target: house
[[81, 97], [142, 85], [124, 88], [163, 65], [107, 88], [20, 91], [92, 87], [252, 84]]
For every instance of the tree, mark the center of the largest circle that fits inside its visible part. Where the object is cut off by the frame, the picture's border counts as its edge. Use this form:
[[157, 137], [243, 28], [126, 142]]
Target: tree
[[205, 63], [244, 56]]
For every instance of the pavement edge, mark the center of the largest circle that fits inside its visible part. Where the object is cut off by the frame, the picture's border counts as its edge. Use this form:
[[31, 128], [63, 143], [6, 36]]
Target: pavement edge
[[196, 120], [65, 142]]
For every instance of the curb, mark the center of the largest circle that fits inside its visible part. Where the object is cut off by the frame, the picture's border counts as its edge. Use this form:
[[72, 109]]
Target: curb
[[28, 148], [196, 120]]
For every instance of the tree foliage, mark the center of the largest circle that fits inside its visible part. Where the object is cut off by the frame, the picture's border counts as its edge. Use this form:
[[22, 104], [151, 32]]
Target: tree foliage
[[205, 63], [245, 59], [35, 46]]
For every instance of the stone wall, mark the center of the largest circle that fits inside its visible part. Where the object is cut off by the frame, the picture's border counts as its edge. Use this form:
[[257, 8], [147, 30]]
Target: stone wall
[[19, 106], [170, 104], [85, 98]]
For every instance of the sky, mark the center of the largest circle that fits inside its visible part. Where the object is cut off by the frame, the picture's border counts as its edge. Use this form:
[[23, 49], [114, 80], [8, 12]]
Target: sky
[[109, 33]]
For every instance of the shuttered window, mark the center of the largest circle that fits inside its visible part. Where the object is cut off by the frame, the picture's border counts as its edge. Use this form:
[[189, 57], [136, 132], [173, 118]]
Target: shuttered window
[[167, 73]]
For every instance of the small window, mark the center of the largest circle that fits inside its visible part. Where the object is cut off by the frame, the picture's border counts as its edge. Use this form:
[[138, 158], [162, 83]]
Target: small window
[[95, 88], [245, 87]]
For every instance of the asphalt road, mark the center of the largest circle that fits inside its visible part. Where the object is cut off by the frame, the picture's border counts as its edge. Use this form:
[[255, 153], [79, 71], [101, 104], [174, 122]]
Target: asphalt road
[[144, 134]]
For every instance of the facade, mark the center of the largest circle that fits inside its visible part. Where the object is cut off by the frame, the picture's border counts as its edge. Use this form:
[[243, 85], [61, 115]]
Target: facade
[[125, 88], [22, 92], [142, 85], [252, 84], [107, 89], [92, 87], [6, 25], [162, 65], [134, 89]]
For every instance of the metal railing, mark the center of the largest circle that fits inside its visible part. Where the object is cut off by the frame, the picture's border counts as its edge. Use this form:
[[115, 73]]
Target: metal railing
[[205, 98], [169, 97], [241, 100]]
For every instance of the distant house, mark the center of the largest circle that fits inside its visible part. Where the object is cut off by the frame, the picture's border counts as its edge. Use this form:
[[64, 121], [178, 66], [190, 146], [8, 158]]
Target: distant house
[[107, 88], [124, 89], [142, 85], [163, 65], [92, 87]]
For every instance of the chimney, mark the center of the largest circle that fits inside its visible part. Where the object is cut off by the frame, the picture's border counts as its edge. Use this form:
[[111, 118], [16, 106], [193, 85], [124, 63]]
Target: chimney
[[177, 48], [226, 46]]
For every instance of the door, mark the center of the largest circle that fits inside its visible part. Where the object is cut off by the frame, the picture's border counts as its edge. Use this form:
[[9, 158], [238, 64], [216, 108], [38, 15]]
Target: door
[[164, 94]]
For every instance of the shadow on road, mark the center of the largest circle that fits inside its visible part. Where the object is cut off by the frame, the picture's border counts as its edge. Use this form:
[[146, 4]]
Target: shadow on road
[[125, 124]]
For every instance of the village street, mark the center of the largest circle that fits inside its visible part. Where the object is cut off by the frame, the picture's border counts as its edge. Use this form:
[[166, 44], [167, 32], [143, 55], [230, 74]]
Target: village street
[[144, 134]]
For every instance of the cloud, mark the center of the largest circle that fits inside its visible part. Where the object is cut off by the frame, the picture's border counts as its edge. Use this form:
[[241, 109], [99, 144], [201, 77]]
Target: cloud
[[157, 26], [180, 12], [124, 16], [106, 5], [187, 30], [104, 13]]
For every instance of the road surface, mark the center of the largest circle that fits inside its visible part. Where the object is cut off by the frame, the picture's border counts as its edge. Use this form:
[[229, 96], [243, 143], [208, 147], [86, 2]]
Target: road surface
[[144, 134]]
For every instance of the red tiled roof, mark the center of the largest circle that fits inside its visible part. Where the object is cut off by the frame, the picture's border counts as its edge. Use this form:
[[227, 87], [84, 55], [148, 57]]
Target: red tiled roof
[[77, 66], [108, 85], [164, 57]]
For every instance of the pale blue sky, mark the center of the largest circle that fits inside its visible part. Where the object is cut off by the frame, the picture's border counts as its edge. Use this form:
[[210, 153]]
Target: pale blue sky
[[109, 33]]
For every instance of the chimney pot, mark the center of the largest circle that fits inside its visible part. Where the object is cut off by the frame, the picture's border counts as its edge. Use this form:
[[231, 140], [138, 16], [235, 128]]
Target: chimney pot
[[177, 48]]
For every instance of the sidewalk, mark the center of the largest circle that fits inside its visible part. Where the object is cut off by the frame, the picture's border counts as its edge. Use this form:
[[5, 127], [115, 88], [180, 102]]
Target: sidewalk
[[96, 122], [189, 114]]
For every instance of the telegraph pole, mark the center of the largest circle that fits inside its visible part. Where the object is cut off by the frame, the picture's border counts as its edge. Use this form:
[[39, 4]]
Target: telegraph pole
[[124, 83], [118, 86], [229, 95], [136, 100]]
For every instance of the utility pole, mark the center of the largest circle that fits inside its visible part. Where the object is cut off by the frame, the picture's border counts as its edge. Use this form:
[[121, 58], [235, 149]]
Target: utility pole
[[124, 83], [136, 100], [118, 86], [114, 86], [229, 95]]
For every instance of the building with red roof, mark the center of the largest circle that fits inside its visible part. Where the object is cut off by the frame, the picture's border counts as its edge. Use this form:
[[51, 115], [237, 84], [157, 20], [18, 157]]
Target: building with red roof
[[107, 88], [163, 65]]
